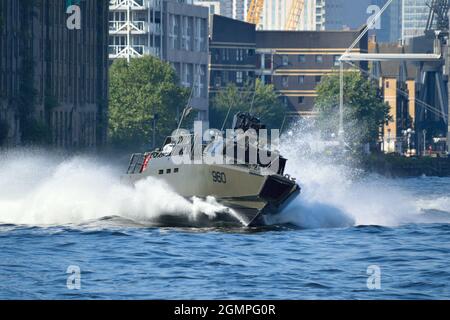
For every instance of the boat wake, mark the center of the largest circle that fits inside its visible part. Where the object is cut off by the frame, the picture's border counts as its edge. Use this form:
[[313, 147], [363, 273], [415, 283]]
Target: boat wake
[[337, 195], [41, 190]]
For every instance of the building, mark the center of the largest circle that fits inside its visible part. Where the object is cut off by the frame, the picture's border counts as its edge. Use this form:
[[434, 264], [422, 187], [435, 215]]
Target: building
[[232, 46], [213, 6], [295, 62], [397, 81], [235, 9], [186, 47], [345, 15], [53, 80], [135, 28], [175, 31], [274, 13], [316, 11], [414, 18]]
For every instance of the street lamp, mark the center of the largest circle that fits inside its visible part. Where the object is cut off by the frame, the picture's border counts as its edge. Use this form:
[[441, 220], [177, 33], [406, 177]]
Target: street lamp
[[424, 132], [408, 136]]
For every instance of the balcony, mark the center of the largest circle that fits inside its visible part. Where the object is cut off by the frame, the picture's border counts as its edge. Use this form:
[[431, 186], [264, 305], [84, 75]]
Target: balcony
[[124, 4], [124, 51], [122, 27], [134, 4]]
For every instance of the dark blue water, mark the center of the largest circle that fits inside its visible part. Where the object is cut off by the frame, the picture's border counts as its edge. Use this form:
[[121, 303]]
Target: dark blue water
[[152, 263], [56, 214]]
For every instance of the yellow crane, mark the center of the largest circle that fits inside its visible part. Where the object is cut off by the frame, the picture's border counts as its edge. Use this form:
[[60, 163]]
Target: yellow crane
[[256, 8], [254, 11], [295, 14]]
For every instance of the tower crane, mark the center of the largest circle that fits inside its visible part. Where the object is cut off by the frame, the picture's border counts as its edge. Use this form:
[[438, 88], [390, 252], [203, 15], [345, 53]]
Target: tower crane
[[295, 13], [254, 11], [256, 8], [438, 17]]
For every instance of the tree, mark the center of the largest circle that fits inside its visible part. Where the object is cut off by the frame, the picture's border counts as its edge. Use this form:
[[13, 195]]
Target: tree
[[365, 112], [266, 104], [139, 90]]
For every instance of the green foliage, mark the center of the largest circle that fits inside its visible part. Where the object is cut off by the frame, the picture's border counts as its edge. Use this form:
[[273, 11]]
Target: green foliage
[[138, 90], [266, 104], [364, 110]]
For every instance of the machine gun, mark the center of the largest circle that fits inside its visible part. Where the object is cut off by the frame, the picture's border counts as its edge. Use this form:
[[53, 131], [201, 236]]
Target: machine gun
[[246, 121]]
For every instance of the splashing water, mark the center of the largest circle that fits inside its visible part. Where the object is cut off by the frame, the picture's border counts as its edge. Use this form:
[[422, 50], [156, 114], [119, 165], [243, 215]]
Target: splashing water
[[335, 196], [38, 189], [41, 190]]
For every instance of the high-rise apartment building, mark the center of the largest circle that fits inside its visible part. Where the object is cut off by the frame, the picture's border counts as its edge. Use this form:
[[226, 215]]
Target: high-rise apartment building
[[346, 14], [214, 6], [276, 13], [414, 18], [175, 31], [235, 9]]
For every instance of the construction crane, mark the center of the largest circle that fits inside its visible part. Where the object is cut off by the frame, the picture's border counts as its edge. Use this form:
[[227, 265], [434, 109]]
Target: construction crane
[[294, 15], [438, 17], [254, 11], [256, 8]]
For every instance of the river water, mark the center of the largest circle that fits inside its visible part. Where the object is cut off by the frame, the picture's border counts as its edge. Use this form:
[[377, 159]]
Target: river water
[[348, 236]]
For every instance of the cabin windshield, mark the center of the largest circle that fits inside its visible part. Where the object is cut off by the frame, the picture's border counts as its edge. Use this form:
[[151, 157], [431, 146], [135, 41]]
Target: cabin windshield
[[182, 141]]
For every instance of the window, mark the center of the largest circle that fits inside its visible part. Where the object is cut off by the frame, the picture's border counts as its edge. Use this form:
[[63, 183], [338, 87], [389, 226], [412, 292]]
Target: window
[[285, 60], [161, 172], [187, 74], [387, 84], [197, 35], [301, 79], [336, 60], [318, 79], [168, 171], [302, 58], [200, 81], [285, 81], [267, 61], [319, 59], [225, 55], [239, 77], [218, 82], [239, 55], [175, 170], [301, 100], [186, 33], [174, 31]]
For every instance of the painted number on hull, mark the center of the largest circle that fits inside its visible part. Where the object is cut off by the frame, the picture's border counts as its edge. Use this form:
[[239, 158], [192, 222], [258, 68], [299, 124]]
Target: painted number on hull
[[219, 177]]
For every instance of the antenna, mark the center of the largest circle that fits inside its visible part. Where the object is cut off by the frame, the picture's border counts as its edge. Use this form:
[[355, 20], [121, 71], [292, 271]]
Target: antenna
[[253, 99], [186, 110]]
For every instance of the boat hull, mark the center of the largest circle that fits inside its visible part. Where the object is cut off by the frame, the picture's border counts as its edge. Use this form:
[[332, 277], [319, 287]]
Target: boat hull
[[248, 196]]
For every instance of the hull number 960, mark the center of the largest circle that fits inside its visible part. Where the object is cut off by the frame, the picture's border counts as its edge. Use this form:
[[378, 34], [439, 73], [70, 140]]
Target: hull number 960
[[219, 177]]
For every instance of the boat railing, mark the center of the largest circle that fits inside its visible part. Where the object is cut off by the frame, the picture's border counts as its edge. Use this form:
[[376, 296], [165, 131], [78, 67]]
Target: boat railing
[[136, 163]]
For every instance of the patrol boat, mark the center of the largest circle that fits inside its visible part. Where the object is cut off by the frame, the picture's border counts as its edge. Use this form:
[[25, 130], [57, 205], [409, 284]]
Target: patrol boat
[[251, 191]]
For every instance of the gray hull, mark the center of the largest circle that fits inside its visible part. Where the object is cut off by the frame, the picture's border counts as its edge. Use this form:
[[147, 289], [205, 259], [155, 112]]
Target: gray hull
[[248, 195]]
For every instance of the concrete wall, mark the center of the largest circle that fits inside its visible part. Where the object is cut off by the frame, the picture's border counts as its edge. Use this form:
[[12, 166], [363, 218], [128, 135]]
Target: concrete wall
[[68, 70]]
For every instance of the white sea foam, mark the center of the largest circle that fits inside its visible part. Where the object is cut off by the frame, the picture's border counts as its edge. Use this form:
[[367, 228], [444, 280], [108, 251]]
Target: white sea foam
[[41, 189], [334, 196]]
